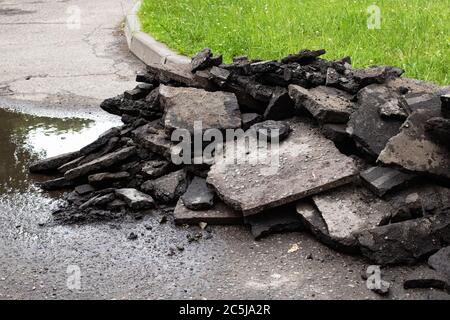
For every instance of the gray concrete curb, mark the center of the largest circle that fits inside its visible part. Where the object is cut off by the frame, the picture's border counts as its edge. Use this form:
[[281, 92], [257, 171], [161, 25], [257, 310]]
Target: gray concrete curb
[[146, 48]]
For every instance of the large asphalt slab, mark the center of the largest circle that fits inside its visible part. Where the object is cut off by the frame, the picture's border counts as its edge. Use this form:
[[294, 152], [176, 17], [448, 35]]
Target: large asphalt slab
[[48, 61]]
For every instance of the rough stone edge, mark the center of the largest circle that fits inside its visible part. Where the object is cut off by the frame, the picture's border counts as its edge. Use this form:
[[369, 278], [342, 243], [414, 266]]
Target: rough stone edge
[[145, 47]]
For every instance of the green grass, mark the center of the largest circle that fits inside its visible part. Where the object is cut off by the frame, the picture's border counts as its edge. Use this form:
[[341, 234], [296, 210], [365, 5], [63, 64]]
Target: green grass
[[414, 34]]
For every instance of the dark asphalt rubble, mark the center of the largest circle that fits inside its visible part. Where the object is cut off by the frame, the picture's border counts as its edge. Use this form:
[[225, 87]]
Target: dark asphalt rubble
[[364, 156]]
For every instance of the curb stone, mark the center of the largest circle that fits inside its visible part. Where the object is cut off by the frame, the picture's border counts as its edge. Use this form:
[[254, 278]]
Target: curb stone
[[145, 47]]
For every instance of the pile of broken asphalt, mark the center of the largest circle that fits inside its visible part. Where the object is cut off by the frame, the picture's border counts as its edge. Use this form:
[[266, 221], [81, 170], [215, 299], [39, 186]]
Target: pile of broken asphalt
[[363, 160]]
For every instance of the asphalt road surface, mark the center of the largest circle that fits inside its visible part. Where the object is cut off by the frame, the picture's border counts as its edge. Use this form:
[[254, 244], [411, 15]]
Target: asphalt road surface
[[60, 59]]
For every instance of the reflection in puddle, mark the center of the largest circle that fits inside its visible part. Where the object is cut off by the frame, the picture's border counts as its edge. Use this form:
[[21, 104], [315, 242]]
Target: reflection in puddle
[[25, 138]]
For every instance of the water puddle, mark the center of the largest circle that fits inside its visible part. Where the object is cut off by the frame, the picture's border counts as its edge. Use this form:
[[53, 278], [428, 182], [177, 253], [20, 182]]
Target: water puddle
[[26, 138]]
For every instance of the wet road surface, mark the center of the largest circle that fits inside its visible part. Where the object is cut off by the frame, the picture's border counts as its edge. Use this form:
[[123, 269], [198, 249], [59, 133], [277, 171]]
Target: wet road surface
[[37, 257], [56, 78]]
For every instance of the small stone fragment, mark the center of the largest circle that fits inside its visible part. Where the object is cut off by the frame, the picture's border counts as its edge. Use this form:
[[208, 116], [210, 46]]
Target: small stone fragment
[[84, 189], [392, 109], [294, 248], [132, 236], [198, 195], [98, 201], [135, 199], [272, 130], [146, 77], [249, 119], [204, 59]]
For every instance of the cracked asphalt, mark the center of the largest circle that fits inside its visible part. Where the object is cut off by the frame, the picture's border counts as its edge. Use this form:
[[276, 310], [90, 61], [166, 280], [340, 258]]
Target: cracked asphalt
[[51, 68], [54, 49]]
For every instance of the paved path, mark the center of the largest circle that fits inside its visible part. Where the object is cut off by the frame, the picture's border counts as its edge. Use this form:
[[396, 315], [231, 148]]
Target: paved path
[[64, 52], [47, 61]]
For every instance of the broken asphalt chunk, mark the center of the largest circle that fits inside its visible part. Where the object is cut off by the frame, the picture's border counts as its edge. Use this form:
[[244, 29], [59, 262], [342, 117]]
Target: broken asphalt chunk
[[107, 177], [84, 189], [280, 106], [445, 106], [326, 104], [304, 164], [393, 109], [184, 106], [371, 131], [264, 66], [440, 261], [303, 57], [381, 180], [198, 196], [101, 163], [341, 138], [153, 137], [168, 188], [98, 201], [153, 169], [272, 130], [57, 184], [204, 59], [274, 221], [249, 119], [342, 213], [428, 279], [219, 214], [219, 75], [405, 242], [412, 102], [414, 150], [140, 92], [439, 130], [135, 199], [53, 163], [353, 80], [173, 73]]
